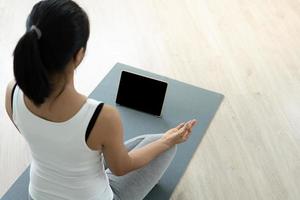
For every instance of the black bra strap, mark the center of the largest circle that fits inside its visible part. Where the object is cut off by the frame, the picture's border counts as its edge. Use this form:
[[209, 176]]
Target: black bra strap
[[12, 96], [93, 120]]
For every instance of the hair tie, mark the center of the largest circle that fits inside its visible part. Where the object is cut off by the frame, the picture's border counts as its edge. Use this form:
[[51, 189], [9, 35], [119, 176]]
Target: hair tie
[[37, 30]]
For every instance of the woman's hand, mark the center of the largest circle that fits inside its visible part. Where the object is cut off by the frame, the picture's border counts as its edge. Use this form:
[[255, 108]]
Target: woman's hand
[[178, 134]]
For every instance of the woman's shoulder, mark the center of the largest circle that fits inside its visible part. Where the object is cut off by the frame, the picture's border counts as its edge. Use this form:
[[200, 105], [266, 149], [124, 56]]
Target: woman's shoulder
[[107, 123], [108, 117], [108, 111]]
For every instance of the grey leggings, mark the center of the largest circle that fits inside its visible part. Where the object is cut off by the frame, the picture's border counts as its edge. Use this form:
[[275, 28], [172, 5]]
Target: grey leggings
[[137, 184]]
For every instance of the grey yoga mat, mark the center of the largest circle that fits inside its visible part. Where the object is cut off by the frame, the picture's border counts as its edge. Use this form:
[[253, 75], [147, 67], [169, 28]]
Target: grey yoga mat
[[182, 102]]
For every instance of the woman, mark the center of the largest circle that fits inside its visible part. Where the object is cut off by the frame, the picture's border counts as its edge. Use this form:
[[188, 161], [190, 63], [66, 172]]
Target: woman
[[68, 137]]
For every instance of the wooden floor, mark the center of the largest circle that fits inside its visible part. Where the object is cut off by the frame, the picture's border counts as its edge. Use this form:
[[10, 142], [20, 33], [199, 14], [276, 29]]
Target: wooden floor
[[249, 50]]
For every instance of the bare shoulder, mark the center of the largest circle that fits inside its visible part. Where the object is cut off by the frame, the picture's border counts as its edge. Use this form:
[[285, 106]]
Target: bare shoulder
[[9, 89], [110, 112], [107, 125]]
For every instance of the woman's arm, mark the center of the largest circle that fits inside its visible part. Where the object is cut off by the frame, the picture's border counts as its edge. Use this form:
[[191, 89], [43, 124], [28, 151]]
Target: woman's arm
[[142, 156], [109, 130]]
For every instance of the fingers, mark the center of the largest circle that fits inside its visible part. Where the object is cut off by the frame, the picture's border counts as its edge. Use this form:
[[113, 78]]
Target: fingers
[[186, 135], [182, 129], [186, 127], [189, 126], [180, 125], [193, 122]]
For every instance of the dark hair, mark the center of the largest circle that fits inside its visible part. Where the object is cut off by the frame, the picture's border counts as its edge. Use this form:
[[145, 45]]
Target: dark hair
[[65, 30]]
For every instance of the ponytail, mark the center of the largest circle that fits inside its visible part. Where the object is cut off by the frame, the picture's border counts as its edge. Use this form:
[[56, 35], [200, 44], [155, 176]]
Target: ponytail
[[56, 30], [29, 70]]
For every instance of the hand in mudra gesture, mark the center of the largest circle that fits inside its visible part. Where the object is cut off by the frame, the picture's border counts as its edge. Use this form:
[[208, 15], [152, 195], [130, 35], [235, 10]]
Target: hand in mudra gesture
[[179, 134]]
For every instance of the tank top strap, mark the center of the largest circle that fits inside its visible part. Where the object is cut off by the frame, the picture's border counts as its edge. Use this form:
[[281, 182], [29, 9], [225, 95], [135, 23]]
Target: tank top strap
[[97, 110]]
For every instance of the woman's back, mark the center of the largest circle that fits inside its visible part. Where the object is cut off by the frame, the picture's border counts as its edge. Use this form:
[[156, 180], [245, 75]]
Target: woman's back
[[63, 166]]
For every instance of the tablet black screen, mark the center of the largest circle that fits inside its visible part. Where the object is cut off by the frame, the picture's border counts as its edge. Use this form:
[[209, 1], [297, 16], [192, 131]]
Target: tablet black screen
[[141, 93]]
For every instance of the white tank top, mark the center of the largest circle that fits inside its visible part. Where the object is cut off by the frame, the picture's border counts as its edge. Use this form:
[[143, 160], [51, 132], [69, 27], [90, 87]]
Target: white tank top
[[63, 166]]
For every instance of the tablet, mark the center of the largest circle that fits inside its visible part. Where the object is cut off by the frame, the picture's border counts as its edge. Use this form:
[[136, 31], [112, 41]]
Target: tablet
[[141, 93]]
